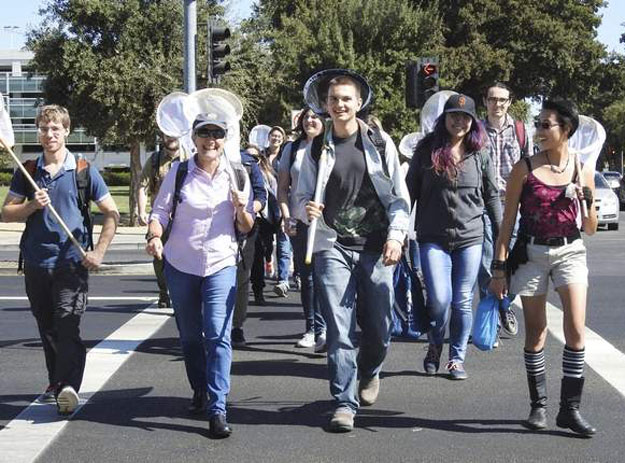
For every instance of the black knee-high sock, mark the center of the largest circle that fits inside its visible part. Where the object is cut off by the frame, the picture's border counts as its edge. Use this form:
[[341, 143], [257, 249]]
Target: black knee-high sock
[[534, 362], [573, 362]]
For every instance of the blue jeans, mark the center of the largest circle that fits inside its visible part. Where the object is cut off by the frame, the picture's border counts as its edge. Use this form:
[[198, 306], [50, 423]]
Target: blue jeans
[[203, 307], [344, 279], [449, 280], [488, 251], [413, 253], [314, 320], [283, 253]]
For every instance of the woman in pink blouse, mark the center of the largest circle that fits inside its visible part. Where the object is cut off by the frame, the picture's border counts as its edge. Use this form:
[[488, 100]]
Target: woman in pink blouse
[[200, 261]]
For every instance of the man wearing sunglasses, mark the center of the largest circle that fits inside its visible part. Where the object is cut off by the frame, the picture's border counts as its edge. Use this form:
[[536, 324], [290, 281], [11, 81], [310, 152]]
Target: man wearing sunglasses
[[152, 175], [507, 143]]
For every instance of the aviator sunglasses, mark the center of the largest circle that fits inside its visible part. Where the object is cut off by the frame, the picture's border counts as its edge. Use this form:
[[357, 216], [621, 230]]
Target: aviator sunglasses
[[217, 133]]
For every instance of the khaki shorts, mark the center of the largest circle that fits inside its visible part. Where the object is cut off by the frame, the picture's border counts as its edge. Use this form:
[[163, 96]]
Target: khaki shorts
[[564, 264]]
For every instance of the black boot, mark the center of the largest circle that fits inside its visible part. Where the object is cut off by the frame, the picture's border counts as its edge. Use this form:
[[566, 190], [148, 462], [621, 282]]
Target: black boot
[[569, 416], [219, 427], [538, 401], [198, 403]]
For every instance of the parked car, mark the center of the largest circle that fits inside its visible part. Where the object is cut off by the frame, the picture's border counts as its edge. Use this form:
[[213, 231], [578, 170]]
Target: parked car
[[615, 180], [606, 202]]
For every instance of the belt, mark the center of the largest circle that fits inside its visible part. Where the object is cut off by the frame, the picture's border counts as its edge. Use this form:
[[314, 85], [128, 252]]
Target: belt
[[555, 241]]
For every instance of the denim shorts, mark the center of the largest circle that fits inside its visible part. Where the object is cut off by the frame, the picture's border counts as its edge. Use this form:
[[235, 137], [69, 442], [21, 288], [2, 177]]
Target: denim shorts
[[565, 265]]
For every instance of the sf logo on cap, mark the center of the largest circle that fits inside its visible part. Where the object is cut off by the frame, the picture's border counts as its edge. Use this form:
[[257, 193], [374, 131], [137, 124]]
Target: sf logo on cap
[[461, 101]]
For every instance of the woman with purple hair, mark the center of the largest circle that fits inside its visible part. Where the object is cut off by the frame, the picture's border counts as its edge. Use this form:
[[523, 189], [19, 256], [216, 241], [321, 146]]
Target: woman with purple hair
[[452, 180]]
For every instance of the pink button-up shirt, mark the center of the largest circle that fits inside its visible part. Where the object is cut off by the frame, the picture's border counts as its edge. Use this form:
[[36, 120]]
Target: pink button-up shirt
[[202, 239]]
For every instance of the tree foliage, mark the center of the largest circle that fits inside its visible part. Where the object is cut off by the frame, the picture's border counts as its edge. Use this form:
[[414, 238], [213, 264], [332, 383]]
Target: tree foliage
[[110, 63], [374, 37]]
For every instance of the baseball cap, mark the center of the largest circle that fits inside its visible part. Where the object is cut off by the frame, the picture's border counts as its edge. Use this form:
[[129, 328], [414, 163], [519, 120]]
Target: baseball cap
[[205, 119], [460, 104]]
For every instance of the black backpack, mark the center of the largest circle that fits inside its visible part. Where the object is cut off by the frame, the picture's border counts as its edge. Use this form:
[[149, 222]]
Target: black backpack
[[83, 189]]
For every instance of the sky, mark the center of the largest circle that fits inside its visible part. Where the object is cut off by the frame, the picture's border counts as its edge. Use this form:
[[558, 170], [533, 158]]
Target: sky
[[19, 16]]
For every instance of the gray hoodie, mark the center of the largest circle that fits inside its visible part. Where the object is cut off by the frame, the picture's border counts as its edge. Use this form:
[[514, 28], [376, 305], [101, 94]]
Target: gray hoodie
[[449, 212]]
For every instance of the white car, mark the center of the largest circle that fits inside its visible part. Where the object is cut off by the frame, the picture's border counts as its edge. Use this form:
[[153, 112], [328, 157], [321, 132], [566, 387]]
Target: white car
[[606, 203]]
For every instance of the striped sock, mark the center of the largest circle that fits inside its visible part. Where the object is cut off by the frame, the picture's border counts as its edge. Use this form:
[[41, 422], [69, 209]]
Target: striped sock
[[573, 362], [534, 362]]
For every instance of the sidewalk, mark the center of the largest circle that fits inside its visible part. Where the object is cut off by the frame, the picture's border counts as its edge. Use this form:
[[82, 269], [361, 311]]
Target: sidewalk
[[125, 256]]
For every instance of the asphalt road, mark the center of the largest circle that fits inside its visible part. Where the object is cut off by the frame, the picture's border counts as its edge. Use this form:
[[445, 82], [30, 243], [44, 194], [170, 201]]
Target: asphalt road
[[279, 404]]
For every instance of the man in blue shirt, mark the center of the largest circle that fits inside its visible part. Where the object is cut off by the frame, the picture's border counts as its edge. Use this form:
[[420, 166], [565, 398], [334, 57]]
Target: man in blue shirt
[[56, 273], [249, 159]]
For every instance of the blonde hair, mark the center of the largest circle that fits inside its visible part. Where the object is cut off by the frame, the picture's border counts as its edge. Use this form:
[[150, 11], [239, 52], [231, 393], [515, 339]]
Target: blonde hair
[[53, 113]]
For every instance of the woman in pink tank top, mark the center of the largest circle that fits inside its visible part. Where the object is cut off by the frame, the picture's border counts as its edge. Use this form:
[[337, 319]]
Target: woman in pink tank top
[[549, 247]]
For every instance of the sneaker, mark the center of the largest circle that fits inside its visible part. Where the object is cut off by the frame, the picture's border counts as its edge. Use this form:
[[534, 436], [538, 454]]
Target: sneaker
[[321, 345], [368, 390], [67, 400], [456, 370], [163, 301], [509, 322], [237, 339], [308, 340], [48, 396], [281, 289], [342, 420], [432, 360], [297, 281]]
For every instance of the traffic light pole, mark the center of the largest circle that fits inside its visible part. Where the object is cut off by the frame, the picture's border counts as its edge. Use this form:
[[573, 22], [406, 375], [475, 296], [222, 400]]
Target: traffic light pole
[[190, 33]]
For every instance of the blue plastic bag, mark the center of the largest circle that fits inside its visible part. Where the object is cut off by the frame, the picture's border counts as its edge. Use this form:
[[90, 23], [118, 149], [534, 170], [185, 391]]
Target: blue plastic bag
[[408, 304], [485, 323]]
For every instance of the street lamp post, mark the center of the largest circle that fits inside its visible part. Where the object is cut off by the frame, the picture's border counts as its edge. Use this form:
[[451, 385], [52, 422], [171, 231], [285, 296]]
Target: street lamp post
[[190, 33]]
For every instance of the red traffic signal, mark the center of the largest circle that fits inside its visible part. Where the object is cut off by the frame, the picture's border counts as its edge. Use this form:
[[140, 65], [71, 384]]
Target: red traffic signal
[[429, 69]]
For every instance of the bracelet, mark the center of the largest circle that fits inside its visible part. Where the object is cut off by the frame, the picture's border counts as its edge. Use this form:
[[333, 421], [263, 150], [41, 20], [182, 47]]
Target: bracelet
[[498, 265], [150, 236]]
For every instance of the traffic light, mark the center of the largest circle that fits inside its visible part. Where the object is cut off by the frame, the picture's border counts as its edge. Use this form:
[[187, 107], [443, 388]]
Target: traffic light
[[412, 84], [421, 81], [429, 80], [217, 51]]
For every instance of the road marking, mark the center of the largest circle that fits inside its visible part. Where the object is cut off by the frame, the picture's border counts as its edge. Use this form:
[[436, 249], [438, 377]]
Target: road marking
[[92, 298], [28, 434], [601, 356]]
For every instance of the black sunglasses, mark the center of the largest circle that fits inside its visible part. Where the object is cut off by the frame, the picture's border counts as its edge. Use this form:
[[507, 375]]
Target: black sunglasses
[[217, 134], [545, 125]]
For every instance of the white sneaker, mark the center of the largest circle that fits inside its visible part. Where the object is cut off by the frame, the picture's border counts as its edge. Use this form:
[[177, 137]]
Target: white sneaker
[[308, 340], [67, 400], [282, 289], [320, 345]]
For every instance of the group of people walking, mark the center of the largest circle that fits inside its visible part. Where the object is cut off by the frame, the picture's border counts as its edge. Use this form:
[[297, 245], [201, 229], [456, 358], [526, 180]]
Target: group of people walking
[[342, 178]]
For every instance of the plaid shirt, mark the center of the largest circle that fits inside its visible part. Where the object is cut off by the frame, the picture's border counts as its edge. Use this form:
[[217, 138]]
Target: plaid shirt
[[504, 151]]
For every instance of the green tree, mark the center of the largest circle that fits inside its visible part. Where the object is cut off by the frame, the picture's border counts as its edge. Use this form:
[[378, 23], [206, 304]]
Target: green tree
[[374, 37], [541, 47], [110, 63]]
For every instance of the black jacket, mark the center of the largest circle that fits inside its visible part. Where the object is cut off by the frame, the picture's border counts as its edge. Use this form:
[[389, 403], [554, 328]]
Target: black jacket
[[449, 212]]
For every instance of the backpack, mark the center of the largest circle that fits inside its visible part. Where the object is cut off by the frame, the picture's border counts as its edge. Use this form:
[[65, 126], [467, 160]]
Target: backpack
[[521, 136], [83, 189], [375, 137], [240, 170]]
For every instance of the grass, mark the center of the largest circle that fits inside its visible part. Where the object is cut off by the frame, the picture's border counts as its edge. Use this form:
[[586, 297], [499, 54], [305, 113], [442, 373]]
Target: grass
[[119, 193]]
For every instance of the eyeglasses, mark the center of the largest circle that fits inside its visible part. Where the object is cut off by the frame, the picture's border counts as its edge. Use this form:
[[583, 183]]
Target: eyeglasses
[[55, 130], [493, 99], [217, 134], [545, 125]]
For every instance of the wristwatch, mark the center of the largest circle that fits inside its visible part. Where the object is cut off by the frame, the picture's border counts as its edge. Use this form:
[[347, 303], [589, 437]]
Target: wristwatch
[[150, 236]]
